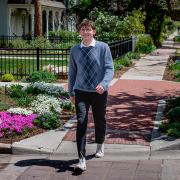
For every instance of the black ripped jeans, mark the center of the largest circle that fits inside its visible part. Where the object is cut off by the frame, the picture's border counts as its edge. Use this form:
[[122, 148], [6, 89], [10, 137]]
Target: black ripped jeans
[[83, 101]]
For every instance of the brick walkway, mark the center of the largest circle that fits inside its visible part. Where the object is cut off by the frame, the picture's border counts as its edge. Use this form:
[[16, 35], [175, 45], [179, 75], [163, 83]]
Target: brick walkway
[[131, 110]]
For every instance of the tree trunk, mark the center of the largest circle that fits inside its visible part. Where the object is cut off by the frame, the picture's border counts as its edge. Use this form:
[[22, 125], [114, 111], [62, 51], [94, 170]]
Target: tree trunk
[[38, 18]]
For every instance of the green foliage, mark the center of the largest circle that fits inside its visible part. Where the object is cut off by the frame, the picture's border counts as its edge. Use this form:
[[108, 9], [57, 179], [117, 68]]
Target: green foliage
[[48, 121], [4, 106], [144, 44], [172, 127], [132, 24], [67, 105], [177, 38], [40, 42], [175, 66], [19, 43], [7, 78], [174, 114], [133, 55], [41, 76], [16, 91], [23, 101], [111, 26], [63, 34], [125, 60], [173, 102]]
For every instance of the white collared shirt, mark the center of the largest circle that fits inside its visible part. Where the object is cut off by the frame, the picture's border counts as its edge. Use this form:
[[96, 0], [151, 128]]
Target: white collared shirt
[[91, 44]]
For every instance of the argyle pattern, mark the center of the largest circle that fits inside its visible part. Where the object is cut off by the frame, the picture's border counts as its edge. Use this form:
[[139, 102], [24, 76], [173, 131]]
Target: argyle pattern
[[89, 69]]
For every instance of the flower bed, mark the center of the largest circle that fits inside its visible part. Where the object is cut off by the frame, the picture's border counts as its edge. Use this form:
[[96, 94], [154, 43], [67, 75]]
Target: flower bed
[[35, 108]]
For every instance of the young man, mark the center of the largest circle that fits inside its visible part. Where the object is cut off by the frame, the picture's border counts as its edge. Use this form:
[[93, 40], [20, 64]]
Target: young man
[[90, 72]]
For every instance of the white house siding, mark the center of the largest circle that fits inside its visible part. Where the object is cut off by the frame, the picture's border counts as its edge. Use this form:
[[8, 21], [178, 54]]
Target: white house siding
[[3, 17]]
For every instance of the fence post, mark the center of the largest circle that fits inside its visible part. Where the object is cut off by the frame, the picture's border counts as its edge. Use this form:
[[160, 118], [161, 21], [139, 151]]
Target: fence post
[[37, 55], [133, 43], [3, 41]]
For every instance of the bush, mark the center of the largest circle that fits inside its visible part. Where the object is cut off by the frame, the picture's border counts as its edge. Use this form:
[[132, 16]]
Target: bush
[[174, 114], [173, 102], [41, 76], [177, 38], [48, 121], [175, 66], [19, 43], [145, 44], [40, 42], [16, 91], [7, 78], [23, 101]]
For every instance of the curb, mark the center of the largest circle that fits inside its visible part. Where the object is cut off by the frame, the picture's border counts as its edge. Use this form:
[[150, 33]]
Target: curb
[[160, 141], [5, 148]]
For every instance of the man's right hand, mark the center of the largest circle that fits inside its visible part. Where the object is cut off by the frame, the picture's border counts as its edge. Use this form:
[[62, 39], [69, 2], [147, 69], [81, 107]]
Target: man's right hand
[[72, 99]]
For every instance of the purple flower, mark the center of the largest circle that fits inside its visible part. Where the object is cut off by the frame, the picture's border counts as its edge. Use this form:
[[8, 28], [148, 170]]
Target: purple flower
[[15, 122]]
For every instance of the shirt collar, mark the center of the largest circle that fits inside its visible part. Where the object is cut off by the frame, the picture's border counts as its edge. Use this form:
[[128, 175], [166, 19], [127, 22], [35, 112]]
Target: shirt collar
[[91, 44]]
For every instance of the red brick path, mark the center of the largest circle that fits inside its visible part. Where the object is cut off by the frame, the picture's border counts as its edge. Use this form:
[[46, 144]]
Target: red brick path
[[131, 110]]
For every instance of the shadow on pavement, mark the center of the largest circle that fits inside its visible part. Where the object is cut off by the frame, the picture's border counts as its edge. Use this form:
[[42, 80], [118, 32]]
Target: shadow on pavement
[[59, 165]]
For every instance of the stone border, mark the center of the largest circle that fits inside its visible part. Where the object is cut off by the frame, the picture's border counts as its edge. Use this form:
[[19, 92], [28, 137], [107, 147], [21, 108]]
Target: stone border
[[160, 141]]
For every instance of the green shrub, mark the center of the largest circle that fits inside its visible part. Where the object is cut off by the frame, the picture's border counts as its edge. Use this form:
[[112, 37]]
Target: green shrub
[[125, 61], [23, 101], [40, 42], [41, 76], [63, 34], [174, 114], [145, 44], [7, 78], [177, 38], [16, 91], [19, 43], [173, 102], [175, 66], [133, 55], [67, 105], [48, 121]]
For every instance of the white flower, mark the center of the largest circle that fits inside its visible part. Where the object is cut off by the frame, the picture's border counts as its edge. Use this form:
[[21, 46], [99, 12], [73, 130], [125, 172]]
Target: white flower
[[49, 88], [45, 104], [19, 110]]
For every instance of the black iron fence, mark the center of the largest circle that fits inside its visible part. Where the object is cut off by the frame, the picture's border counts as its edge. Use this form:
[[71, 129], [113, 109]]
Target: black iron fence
[[118, 48], [22, 62], [55, 41]]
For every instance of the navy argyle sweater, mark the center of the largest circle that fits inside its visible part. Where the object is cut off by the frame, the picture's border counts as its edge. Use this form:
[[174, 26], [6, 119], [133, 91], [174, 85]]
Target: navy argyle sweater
[[90, 66]]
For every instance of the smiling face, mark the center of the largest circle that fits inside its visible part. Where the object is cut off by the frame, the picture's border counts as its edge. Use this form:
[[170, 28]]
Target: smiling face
[[87, 33]]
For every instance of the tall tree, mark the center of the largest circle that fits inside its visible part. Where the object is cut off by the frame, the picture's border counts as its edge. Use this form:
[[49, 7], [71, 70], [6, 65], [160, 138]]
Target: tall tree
[[174, 9], [38, 18]]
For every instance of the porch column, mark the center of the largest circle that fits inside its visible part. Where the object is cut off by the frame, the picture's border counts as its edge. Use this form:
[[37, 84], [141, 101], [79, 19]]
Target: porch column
[[9, 21], [53, 19], [32, 21], [59, 20], [47, 23]]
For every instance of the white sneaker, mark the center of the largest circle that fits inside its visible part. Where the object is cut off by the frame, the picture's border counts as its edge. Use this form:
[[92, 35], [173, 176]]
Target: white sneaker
[[81, 165], [99, 151]]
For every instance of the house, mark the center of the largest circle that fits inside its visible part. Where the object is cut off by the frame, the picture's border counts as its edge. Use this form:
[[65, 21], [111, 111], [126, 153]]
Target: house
[[17, 16]]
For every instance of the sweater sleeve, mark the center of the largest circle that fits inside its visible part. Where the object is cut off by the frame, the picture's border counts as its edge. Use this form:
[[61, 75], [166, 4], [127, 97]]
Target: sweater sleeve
[[71, 75], [108, 68]]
